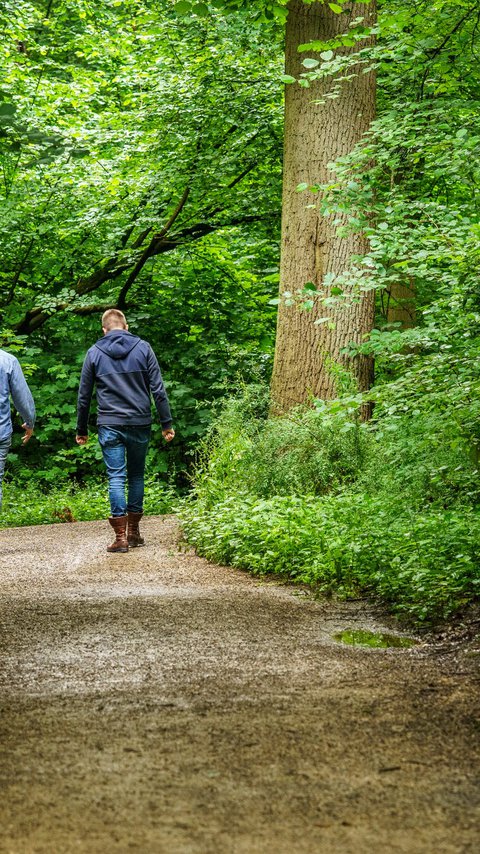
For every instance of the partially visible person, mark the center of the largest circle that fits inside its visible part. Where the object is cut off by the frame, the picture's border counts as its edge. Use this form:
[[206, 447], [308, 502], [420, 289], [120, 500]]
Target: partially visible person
[[13, 385], [126, 374]]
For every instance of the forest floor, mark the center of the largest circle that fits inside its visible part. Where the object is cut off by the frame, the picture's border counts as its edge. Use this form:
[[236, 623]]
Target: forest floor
[[154, 702]]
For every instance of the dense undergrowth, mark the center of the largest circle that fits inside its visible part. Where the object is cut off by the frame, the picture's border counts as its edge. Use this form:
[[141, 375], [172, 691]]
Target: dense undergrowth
[[30, 504], [388, 508]]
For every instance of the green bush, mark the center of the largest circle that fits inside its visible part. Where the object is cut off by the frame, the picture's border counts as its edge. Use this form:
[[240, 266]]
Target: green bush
[[346, 507], [31, 505], [299, 454], [425, 565]]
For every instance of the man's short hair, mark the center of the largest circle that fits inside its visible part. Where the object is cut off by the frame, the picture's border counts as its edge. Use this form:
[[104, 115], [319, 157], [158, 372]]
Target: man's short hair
[[113, 319]]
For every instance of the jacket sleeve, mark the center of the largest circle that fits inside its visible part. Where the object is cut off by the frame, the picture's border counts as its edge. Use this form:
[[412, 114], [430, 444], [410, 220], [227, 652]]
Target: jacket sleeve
[[85, 392], [157, 389], [21, 395]]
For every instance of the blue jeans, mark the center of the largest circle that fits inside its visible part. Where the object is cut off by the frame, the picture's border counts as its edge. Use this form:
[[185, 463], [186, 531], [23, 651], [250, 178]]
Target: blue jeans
[[4, 449], [124, 451]]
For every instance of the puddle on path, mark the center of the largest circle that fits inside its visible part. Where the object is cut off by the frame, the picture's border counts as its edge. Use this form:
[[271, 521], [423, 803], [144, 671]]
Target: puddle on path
[[374, 640]]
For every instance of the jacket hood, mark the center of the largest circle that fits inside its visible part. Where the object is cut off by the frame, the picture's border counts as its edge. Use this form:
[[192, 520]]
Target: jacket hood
[[118, 343]]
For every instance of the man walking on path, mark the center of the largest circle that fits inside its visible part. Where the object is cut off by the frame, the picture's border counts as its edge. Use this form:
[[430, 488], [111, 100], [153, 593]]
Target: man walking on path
[[126, 372], [13, 384]]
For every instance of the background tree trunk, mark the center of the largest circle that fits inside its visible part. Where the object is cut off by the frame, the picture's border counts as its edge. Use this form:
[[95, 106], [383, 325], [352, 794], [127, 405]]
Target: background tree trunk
[[316, 134], [401, 304]]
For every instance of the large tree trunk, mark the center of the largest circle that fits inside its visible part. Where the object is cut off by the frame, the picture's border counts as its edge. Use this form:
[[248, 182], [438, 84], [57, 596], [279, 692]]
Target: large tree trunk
[[316, 134], [401, 305]]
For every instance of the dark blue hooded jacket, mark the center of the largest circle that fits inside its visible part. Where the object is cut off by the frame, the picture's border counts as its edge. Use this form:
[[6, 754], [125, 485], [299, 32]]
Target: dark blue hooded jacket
[[126, 372]]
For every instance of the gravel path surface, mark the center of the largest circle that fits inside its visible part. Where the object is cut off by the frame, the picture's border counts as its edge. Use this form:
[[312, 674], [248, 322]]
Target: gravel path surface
[[153, 702]]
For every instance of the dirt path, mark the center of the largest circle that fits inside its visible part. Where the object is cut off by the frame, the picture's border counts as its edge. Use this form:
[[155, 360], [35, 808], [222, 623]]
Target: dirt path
[[152, 702]]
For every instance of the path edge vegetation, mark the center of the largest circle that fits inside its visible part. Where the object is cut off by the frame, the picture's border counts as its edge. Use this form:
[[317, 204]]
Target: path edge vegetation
[[349, 508], [388, 508]]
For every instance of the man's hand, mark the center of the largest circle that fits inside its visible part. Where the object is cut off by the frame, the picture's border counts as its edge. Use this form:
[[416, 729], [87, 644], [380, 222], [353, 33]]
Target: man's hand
[[168, 434], [81, 440], [28, 433]]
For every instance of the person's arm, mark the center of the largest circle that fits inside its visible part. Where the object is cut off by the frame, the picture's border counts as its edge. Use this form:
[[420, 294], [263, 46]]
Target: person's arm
[[22, 399], [85, 392], [159, 395]]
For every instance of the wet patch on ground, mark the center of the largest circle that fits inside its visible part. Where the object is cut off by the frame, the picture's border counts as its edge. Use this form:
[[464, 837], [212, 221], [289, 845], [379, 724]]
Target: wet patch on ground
[[374, 640]]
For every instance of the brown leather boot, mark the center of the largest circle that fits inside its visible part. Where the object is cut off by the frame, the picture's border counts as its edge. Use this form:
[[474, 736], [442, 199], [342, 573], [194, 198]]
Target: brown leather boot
[[119, 525], [133, 536]]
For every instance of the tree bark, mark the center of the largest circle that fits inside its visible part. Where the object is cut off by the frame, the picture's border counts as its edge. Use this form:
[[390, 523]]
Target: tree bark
[[401, 305], [315, 135]]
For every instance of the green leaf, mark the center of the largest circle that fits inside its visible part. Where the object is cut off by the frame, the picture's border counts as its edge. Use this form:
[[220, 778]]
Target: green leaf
[[183, 7], [327, 54], [310, 63], [301, 187], [79, 152], [7, 109], [287, 78], [280, 12], [315, 46], [200, 9], [336, 8]]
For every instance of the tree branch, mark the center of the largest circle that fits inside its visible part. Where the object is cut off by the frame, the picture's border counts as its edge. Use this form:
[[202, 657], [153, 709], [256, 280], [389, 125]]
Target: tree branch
[[160, 243], [149, 250], [432, 54]]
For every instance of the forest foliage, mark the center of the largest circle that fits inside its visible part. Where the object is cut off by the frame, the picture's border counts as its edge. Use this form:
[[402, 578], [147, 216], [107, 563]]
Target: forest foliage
[[124, 184], [141, 157], [389, 507]]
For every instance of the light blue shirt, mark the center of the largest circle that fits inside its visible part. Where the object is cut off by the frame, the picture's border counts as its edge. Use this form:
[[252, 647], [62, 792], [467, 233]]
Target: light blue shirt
[[14, 384]]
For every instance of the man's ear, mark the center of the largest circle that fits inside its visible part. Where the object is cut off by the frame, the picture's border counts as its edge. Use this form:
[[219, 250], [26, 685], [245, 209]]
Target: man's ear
[[104, 330], [126, 327]]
